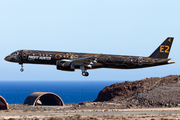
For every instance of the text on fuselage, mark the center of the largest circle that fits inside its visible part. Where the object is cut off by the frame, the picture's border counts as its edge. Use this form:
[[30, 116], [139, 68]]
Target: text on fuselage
[[32, 58]]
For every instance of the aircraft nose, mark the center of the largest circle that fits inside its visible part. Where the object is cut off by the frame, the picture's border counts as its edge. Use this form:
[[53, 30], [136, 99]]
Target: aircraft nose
[[7, 58]]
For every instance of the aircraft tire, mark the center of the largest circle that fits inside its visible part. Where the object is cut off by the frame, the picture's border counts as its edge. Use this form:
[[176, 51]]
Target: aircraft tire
[[21, 69], [85, 73]]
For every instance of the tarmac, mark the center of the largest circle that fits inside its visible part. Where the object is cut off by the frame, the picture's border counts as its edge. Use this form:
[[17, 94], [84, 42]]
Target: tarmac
[[148, 113]]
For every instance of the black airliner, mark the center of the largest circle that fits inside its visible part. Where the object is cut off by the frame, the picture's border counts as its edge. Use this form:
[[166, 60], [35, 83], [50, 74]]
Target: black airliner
[[69, 61]]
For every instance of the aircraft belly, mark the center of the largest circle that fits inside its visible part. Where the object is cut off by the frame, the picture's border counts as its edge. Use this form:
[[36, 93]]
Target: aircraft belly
[[125, 64], [128, 64], [52, 62]]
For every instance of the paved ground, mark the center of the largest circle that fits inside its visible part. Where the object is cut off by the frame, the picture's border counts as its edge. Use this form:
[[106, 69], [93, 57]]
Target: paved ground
[[94, 113], [155, 113]]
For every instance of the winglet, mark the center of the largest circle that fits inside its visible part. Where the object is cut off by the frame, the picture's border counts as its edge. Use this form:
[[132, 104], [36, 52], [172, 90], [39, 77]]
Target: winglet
[[164, 49]]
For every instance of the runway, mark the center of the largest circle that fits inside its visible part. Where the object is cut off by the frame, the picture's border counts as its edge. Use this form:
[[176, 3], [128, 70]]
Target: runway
[[148, 111]]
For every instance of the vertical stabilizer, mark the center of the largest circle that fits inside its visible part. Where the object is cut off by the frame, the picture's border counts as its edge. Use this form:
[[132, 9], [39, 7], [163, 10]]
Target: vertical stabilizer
[[163, 50]]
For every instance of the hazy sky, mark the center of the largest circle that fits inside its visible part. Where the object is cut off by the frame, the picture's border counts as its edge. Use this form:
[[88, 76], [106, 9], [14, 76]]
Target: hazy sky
[[133, 27]]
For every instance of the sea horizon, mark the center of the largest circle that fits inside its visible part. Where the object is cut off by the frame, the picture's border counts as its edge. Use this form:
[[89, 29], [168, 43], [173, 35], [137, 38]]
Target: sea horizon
[[71, 92]]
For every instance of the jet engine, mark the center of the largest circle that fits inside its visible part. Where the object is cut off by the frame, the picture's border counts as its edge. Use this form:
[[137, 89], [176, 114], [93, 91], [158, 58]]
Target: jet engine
[[64, 65]]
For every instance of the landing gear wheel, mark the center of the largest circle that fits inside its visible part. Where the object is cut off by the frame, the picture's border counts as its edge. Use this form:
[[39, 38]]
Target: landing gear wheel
[[85, 73], [21, 69]]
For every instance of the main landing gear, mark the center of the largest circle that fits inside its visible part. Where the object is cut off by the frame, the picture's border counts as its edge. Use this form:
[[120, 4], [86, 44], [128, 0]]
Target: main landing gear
[[21, 68], [84, 72]]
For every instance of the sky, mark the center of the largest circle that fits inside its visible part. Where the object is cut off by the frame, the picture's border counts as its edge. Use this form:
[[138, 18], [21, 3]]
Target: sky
[[133, 27]]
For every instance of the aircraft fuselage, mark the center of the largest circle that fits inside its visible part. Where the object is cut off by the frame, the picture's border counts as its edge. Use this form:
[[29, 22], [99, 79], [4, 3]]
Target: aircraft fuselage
[[69, 61]]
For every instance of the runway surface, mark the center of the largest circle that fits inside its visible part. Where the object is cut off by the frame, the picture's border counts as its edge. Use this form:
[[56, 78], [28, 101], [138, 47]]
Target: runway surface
[[99, 112]]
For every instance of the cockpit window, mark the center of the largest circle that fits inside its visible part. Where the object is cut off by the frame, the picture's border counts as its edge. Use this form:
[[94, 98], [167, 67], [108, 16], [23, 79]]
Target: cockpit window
[[14, 53]]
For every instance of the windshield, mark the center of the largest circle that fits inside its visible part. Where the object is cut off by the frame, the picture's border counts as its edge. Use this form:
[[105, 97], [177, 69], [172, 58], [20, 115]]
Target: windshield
[[14, 53]]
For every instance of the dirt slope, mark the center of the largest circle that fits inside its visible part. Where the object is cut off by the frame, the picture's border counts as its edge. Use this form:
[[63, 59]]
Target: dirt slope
[[148, 92]]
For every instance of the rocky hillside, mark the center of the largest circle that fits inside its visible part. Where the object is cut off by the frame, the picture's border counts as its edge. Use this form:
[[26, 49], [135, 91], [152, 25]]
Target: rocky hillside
[[148, 92], [145, 93]]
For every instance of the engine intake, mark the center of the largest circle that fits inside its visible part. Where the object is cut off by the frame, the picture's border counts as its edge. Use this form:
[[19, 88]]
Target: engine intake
[[64, 65]]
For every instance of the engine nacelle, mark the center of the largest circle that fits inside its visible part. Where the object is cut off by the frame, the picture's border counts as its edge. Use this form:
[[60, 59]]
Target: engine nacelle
[[64, 65]]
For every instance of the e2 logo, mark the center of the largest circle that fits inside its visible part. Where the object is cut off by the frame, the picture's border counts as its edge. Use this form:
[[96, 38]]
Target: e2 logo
[[164, 49]]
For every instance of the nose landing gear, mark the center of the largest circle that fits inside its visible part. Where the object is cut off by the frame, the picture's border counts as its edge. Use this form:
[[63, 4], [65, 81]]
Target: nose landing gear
[[21, 68]]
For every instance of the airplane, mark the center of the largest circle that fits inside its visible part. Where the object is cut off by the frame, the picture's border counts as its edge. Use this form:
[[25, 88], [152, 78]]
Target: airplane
[[69, 61]]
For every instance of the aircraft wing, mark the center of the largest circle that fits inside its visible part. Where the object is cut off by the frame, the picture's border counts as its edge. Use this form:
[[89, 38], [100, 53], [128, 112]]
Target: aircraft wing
[[86, 60]]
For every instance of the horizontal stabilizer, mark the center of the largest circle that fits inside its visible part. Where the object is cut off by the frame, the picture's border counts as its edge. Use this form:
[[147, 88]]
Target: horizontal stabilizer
[[163, 61], [171, 61]]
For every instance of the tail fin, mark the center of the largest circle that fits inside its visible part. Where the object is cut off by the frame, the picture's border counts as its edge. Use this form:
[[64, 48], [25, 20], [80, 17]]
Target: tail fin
[[163, 50]]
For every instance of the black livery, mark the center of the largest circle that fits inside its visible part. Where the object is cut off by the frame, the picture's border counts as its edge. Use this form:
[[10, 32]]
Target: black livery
[[69, 61]]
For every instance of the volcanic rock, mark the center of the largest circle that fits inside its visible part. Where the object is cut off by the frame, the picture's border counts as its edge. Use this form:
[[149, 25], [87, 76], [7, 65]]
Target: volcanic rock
[[148, 92]]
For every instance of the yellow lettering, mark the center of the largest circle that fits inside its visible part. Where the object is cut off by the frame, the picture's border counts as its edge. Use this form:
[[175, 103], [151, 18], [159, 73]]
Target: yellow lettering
[[167, 49], [162, 48]]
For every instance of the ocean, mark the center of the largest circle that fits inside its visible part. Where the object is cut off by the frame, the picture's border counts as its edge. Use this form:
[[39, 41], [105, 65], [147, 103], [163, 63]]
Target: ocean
[[15, 92]]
